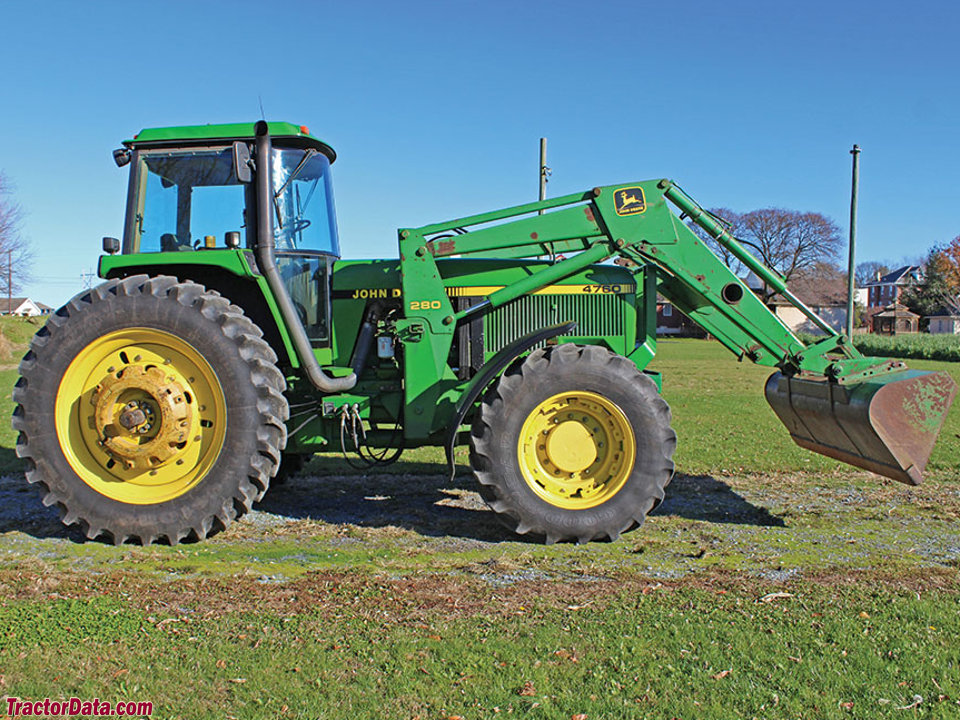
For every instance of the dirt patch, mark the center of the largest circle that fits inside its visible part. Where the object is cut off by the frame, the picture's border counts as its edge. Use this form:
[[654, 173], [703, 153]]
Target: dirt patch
[[418, 599]]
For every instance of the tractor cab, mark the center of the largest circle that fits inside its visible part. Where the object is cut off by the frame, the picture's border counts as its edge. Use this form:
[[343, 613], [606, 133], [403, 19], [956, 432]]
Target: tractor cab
[[192, 190]]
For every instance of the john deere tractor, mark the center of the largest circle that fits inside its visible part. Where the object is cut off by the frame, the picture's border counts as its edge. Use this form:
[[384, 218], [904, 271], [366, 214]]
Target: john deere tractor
[[229, 340]]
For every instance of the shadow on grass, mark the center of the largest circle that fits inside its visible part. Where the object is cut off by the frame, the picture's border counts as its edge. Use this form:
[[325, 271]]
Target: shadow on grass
[[415, 497], [410, 495], [703, 497], [21, 509]]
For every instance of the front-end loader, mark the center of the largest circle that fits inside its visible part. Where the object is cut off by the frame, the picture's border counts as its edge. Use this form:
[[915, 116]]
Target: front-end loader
[[229, 340]]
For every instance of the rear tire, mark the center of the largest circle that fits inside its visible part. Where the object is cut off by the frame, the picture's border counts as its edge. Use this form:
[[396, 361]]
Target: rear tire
[[150, 409], [573, 443]]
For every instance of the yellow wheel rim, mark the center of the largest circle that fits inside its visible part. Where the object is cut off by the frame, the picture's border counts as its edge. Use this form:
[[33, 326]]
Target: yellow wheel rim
[[140, 416], [576, 450]]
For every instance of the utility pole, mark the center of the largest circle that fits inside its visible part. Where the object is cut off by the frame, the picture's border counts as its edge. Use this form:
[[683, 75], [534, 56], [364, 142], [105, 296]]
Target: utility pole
[[544, 171], [851, 266]]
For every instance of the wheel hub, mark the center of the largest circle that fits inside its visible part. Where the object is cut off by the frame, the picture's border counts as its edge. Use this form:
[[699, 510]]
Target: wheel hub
[[576, 450], [141, 416], [571, 447]]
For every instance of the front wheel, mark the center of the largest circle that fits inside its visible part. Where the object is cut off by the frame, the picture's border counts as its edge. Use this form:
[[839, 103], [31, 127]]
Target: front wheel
[[573, 443], [150, 409]]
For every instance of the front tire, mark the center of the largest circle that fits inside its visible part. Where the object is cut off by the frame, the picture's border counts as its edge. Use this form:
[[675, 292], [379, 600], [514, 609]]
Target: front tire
[[574, 443], [150, 409]]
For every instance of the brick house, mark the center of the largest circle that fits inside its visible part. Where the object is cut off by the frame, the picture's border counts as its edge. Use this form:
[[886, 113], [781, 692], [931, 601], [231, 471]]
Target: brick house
[[888, 289]]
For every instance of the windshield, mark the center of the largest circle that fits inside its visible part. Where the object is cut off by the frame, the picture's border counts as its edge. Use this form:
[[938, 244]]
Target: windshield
[[303, 214]]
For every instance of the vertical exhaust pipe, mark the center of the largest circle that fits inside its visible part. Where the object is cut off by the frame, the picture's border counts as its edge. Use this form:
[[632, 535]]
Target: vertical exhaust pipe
[[268, 266]]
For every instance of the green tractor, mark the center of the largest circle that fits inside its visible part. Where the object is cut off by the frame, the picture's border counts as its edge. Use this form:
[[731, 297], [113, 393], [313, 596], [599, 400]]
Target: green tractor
[[228, 341]]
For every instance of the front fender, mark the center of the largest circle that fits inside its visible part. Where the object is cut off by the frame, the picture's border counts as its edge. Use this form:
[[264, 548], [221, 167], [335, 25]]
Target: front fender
[[490, 372]]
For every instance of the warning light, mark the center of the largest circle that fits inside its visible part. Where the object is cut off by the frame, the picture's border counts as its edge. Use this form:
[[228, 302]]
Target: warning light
[[304, 129]]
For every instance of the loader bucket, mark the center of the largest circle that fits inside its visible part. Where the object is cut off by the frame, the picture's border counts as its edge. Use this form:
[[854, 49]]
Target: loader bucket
[[886, 424]]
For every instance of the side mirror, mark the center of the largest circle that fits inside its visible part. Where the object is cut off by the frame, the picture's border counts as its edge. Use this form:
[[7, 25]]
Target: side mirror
[[241, 162], [121, 156], [111, 245]]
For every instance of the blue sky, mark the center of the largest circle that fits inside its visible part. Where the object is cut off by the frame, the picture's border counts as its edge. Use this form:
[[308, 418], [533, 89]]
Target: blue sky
[[435, 108]]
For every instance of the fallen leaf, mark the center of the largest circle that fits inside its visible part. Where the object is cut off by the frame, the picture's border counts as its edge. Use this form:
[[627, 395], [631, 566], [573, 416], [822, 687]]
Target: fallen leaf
[[865, 615], [527, 690], [917, 700], [847, 705], [579, 716], [770, 597], [238, 681], [221, 664], [720, 675]]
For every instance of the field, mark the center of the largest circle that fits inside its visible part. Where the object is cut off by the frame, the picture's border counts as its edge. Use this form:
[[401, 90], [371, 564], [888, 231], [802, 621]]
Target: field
[[771, 583]]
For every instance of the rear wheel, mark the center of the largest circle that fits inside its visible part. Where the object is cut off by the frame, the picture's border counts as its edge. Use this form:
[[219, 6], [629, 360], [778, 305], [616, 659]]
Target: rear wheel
[[150, 409], [574, 443]]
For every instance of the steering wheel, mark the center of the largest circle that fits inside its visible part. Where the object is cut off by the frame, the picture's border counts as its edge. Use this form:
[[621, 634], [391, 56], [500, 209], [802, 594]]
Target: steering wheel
[[301, 313]]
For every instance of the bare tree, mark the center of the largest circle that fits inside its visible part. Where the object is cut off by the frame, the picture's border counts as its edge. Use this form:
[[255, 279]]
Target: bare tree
[[788, 241], [869, 270], [823, 282], [16, 257]]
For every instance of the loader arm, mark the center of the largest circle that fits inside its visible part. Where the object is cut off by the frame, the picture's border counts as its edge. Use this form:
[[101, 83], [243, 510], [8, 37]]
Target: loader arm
[[593, 226], [869, 412]]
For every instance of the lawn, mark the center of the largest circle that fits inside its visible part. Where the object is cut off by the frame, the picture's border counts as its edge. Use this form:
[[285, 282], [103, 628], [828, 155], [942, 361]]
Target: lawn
[[771, 583]]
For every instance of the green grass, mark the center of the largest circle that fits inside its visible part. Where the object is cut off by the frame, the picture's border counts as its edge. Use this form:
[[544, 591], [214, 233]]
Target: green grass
[[15, 334], [371, 652], [17, 331]]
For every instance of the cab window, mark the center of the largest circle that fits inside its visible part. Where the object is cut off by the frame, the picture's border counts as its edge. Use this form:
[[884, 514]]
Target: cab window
[[186, 196]]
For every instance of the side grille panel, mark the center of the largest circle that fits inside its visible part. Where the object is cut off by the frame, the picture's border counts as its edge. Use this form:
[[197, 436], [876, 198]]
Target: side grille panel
[[596, 315]]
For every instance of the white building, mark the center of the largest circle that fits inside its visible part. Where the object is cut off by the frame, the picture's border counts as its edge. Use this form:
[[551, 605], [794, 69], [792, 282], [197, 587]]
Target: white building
[[24, 307]]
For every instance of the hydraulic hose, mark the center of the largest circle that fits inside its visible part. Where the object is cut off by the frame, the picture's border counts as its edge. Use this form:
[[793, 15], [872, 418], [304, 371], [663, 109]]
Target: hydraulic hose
[[268, 266]]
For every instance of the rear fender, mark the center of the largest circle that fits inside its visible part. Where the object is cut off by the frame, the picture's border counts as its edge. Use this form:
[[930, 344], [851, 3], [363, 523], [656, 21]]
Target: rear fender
[[242, 286]]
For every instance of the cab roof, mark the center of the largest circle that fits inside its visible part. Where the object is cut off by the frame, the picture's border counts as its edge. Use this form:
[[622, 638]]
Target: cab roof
[[226, 132]]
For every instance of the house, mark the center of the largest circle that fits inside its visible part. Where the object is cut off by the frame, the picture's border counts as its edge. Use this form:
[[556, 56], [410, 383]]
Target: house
[[944, 323], [671, 321], [833, 313], [24, 307], [888, 289], [895, 319], [823, 289]]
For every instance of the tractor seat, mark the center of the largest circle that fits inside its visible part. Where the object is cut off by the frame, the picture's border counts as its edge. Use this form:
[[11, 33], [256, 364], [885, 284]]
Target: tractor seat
[[170, 243]]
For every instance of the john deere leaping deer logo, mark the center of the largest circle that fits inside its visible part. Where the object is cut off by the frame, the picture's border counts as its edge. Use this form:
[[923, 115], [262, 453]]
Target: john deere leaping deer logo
[[629, 201]]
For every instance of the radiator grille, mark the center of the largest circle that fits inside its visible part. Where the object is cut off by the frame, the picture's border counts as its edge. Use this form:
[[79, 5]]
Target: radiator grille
[[596, 315]]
